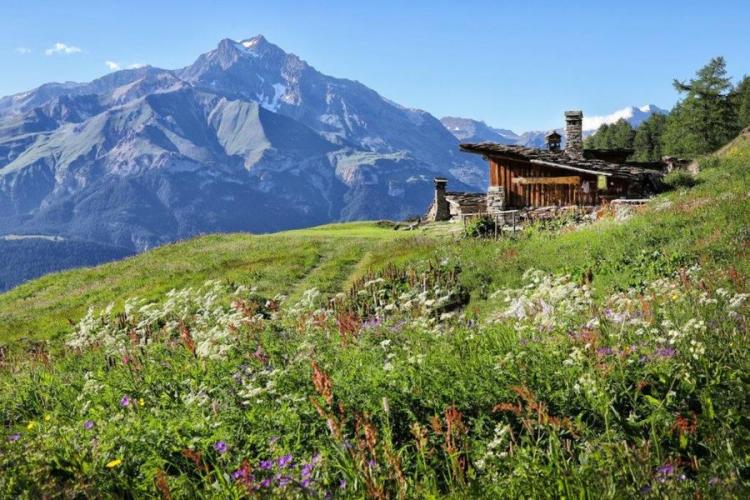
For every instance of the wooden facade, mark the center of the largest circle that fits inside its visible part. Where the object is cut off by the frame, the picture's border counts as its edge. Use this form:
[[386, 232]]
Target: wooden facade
[[529, 184]]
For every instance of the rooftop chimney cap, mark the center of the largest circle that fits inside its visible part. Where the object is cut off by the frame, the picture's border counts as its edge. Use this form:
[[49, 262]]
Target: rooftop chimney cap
[[575, 114], [440, 180]]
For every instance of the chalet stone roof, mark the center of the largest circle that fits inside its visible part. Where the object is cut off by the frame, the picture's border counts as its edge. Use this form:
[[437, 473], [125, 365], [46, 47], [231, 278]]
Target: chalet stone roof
[[466, 203], [563, 160]]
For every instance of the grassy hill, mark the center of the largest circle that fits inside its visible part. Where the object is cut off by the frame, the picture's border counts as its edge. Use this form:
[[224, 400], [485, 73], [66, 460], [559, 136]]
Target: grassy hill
[[606, 360], [705, 224]]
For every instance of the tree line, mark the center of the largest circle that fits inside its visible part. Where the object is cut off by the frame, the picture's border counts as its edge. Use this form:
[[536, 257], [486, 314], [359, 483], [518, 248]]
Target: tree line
[[711, 112]]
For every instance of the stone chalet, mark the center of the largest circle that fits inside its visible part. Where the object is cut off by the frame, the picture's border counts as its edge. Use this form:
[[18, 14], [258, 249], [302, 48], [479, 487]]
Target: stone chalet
[[529, 178]]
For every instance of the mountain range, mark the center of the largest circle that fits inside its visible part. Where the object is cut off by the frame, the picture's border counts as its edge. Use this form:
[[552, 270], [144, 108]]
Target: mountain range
[[468, 130], [247, 138]]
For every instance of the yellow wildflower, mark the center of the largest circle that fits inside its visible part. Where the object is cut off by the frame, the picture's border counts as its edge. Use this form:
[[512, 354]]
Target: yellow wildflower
[[31, 425], [141, 402], [47, 418], [114, 463]]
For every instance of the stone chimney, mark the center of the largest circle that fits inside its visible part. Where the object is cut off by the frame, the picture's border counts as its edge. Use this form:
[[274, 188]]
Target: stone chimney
[[553, 140], [440, 206], [574, 133]]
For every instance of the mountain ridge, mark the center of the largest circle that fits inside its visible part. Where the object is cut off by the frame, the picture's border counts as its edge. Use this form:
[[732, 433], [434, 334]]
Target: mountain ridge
[[470, 130], [246, 138]]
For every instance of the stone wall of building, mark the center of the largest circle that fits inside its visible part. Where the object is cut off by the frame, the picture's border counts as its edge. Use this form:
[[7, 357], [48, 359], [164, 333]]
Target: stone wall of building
[[495, 199]]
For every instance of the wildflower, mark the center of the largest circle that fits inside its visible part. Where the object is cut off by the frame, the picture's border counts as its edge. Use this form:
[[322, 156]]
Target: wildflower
[[284, 480], [31, 425], [47, 418], [665, 470], [125, 401], [665, 352], [372, 464], [306, 470], [285, 461], [114, 463], [220, 446], [266, 464], [305, 483], [342, 484], [272, 440], [141, 402], [14, 437], [604, 351], [88, 425], [266, 483]]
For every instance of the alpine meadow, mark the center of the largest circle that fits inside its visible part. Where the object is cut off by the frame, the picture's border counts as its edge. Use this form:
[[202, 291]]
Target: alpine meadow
[[247, 279]]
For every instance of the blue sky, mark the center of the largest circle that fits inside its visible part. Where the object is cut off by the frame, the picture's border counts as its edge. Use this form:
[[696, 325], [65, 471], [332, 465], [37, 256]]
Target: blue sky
[[513, 64]]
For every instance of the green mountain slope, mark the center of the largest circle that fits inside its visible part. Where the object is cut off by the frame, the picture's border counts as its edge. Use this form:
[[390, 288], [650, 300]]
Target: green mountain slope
[[706, 223], [608, 361]]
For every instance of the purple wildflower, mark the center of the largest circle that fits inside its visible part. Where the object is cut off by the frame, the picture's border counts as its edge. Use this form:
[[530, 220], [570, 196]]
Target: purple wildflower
[[306, 470], [266, 464], [285, 461], [14, 437], [88, 425], [125, 401], [284, 480], [239, 474], [305, 483], [221, 447], [372, 464], [665, 470], [265, 483], [342, 484], [604, 351], [371, 323], [645, 490], [665, 352]]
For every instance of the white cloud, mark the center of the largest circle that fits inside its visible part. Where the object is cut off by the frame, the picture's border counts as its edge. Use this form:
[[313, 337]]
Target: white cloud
[[23, 50], [61, 48], [115, 66]]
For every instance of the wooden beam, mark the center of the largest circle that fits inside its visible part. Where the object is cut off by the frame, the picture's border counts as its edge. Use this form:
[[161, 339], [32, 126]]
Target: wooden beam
[[548, 180], [569, 167]]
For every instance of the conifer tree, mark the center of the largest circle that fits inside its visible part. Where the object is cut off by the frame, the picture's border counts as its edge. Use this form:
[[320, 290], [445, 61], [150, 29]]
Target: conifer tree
[[706, 117], [742, 102]]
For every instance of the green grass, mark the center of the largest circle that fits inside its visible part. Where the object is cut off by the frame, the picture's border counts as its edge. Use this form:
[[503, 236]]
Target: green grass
[[703, 223], [633, 386]]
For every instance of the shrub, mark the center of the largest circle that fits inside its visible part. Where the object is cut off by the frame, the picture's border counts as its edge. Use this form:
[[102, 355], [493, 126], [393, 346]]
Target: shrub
[[680, 179], [480, 227]]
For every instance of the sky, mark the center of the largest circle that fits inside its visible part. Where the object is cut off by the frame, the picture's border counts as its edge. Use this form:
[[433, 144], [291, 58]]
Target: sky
[[515, 65]]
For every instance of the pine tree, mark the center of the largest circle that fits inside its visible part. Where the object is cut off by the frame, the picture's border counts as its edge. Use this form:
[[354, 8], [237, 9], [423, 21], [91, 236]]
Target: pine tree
[[742, 102], [648, 137], [706, 118], [618, 135]]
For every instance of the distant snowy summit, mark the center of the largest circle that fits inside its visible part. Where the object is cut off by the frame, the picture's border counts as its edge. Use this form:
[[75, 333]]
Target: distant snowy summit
[[468, 130]]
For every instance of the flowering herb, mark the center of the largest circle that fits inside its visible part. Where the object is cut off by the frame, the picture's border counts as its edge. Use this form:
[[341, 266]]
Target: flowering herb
[[88, 425], [125, 401], [221, 447]]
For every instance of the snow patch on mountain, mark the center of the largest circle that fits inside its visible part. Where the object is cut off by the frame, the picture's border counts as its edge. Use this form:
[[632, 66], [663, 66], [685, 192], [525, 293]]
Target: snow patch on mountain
[[632, 114]]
